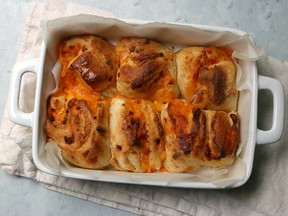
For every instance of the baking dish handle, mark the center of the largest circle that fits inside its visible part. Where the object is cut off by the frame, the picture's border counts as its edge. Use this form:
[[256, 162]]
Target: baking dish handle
[[15, 114], [276, 88]]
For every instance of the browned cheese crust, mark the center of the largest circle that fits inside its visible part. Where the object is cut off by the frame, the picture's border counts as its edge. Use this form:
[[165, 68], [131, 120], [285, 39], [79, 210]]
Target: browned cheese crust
[[121, 106], [196, 138], [78, 114], [82, 134], [147, 70], [207, 77], [136, 136], [93, 57]]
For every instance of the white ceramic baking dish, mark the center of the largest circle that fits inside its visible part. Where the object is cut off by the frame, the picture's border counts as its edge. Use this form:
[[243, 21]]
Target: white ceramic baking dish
[[45, 82]]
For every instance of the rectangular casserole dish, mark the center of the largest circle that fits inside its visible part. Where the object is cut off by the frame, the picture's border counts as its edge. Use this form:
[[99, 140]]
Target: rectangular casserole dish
[[171, 34]]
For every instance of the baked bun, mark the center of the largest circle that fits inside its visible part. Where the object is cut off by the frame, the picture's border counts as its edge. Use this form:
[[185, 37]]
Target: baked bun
[[93, 58], [82, 133], [195, 138], [147, 70], [136, 136], [207, 77], [222, 138]]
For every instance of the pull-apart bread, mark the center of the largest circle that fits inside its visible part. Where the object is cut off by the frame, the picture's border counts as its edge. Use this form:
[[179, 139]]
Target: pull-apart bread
[[80, 130], [206, 77], [93, 58], [147, 70], [121, 106], [136, 136], [195, 138], [78, 114]]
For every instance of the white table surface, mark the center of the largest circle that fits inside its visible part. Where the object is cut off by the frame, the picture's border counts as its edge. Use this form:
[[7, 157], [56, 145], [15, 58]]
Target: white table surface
[[265, 20]]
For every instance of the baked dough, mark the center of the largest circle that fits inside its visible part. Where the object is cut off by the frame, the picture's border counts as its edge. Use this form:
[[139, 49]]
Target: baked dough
[[147, 70], [206, 77], [92, 57], [136, 136], [195, 138], [81, 133], [132, 116], [78, 112]]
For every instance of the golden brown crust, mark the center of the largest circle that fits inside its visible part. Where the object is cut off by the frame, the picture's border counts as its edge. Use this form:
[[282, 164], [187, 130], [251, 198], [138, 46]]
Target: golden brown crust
[[78, 114], [93, 57], [185, 135], [147, 70], [207, 77], [82, 134], [152, 127], [223, 138], [136, 136], [195, 138]]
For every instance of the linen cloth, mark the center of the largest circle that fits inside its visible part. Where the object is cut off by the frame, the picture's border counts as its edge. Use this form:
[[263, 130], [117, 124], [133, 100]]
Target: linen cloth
[[264, 194]]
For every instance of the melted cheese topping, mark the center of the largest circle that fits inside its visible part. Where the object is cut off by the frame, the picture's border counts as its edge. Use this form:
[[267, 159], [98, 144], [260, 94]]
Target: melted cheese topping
[[147, 70], [78, 114], [195, 138], [206, 77], [121, 106], [136, 136], [93, 58]]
